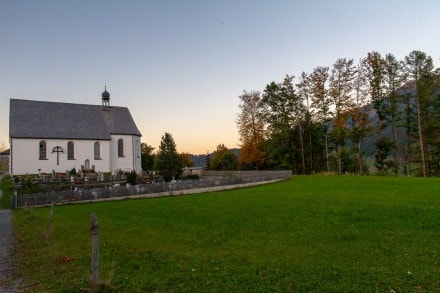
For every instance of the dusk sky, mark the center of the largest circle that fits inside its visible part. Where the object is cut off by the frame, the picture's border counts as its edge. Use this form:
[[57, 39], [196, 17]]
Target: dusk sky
[[179, 66]]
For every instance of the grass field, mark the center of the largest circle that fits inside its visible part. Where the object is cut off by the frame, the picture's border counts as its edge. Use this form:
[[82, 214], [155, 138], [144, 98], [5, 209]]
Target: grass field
[[311, 233]]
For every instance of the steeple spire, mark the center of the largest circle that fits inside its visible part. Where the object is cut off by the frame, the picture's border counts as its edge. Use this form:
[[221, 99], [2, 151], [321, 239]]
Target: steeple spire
[[105, 98]]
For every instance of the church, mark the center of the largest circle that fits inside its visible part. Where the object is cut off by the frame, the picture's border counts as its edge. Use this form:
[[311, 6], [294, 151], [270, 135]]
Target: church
[[50, 137]]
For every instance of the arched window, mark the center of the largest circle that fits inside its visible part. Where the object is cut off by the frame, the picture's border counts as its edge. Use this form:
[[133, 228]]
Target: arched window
[[120, 147], [70, 151], [97, 151], [43, 152], [87, 165]]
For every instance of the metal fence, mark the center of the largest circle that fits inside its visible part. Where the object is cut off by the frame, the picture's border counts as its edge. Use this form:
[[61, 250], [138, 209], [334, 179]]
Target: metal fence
[[212, 179]]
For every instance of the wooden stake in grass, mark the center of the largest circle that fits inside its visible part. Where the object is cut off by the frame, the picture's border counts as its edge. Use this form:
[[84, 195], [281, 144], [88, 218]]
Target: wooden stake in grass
[[49, 222], [95, 250]]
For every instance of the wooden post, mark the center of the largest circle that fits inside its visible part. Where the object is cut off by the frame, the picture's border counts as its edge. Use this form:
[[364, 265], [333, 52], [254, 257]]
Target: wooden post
[[49, 222], [95, 250]]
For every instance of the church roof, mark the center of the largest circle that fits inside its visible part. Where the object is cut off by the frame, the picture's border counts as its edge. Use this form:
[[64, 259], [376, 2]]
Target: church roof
[[38, 119]]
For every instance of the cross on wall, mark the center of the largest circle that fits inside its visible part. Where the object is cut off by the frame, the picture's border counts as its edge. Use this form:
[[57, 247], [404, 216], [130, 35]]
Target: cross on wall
[[58, 150]]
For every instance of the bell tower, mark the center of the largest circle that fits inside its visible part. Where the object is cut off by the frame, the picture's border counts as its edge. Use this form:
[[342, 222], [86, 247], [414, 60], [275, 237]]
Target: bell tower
[[105, 99]]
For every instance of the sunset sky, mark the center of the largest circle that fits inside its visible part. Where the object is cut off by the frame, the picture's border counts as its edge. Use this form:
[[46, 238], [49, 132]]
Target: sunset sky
[[179, 66]]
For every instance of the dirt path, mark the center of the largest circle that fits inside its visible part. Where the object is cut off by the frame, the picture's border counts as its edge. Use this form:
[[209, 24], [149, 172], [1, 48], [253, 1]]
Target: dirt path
[[7, 282]]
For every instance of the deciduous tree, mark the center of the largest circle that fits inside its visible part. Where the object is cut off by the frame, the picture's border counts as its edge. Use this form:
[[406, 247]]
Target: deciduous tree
[[224, 159], [320, 103], [341, 92], [251, 129], [420, 67], [186, 160]]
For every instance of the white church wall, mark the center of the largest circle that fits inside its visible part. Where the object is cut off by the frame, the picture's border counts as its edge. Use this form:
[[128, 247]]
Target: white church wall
[[25, 156], [125, 162], [137, 154]]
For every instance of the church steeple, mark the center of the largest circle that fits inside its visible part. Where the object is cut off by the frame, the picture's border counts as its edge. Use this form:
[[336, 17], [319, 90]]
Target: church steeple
[[105, 98]]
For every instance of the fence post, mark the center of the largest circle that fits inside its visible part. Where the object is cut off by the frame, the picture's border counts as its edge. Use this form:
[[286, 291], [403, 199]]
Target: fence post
[[95, 250], [49, 222]]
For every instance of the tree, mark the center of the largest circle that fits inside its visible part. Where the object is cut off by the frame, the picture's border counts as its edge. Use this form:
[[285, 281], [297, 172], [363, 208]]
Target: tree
[[304, 123], [320, 103], [147, 156], [186, 160], [393, 80], [340, 90], [167, 161], [208, 161], [375, 71], [433, 124], [359, 115], [3, 161], [383, 146], [420, 67], [251, 129], [282, 110], [224, 159]]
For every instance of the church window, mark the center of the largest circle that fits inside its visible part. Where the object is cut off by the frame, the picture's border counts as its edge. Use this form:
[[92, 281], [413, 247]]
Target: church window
[[120, 147], [97, 151], [43, 152], [70, 151]]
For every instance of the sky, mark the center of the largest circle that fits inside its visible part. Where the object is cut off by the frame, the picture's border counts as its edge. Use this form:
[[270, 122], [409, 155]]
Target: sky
[[180, 66]]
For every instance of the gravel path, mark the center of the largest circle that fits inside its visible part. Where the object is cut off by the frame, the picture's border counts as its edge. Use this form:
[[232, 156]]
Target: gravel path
[[7, 282]]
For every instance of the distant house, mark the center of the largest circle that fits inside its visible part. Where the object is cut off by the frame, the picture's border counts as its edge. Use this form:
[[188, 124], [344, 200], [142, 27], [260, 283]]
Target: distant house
[[51, 136], [4, 157]]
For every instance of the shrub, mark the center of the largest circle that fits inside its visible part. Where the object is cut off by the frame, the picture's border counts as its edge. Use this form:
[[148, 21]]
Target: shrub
[[131, 177]]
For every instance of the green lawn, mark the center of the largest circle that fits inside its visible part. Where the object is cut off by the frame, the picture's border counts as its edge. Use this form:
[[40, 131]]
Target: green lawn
[[311, 233]]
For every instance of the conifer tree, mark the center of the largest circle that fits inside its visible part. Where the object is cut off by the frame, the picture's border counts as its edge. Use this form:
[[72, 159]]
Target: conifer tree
[[167, 161]]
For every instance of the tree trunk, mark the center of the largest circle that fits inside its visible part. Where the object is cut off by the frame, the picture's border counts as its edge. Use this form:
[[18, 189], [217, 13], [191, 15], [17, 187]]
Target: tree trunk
[[302, 149], [422, 145], [398, 157], [310, 151], [360, 156], [339, 160], [326, 152]]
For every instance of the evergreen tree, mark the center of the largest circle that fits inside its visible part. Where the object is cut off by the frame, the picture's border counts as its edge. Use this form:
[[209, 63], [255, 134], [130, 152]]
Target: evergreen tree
[[147, 156], [208, 161], [168, 162]]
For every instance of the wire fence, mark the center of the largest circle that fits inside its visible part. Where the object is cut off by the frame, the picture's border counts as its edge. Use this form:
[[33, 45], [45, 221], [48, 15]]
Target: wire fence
[[210, 179]]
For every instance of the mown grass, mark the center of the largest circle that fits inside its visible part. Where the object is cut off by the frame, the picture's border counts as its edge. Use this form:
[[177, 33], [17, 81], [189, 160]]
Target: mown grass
[[311, 233]]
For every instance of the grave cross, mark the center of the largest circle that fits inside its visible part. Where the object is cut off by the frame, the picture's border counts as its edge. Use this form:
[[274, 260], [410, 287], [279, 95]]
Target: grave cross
[[58, 150]]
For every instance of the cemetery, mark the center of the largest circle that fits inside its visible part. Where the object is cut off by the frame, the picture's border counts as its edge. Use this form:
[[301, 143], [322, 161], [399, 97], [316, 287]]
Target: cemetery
[[72, 186]]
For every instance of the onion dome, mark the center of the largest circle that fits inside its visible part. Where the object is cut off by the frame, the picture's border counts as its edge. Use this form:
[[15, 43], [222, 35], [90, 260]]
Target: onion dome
[[105, 94]]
